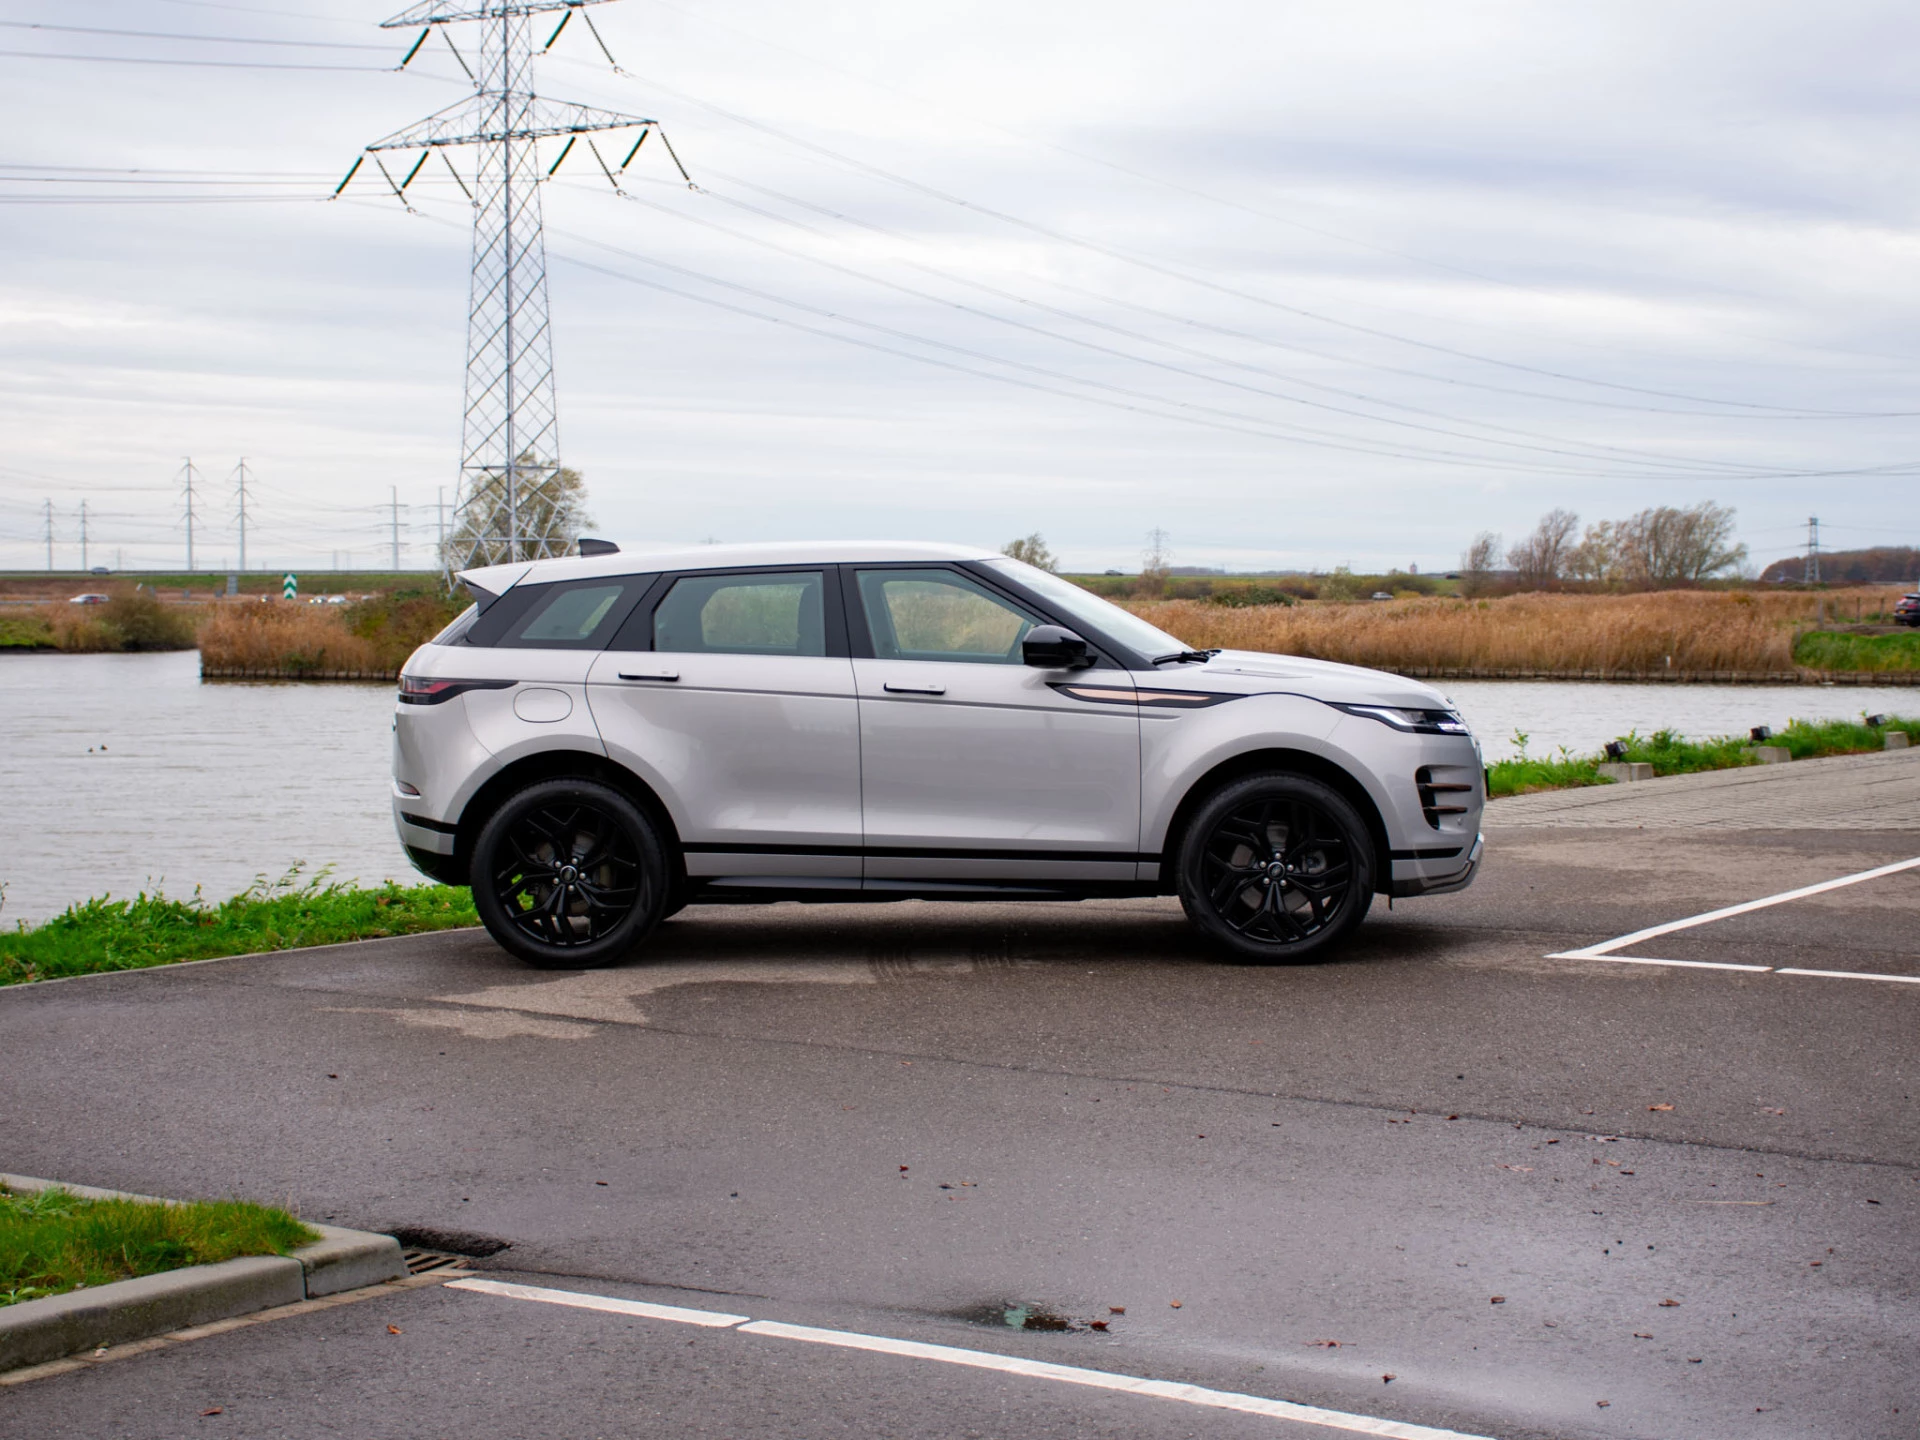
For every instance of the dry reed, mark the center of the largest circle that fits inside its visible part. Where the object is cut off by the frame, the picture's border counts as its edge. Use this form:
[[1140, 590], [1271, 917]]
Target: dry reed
[[1691, 631], [283, 638]]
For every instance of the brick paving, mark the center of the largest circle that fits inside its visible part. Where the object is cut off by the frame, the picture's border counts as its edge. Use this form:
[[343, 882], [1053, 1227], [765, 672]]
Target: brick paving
[[1843, 792]]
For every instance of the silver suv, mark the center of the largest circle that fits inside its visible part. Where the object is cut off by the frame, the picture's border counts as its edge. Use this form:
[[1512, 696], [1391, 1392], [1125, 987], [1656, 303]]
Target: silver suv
[[600, 741]]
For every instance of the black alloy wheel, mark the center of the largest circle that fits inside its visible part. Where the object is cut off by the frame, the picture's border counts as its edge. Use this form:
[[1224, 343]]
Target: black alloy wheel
[[569, 874], [1276, 868]]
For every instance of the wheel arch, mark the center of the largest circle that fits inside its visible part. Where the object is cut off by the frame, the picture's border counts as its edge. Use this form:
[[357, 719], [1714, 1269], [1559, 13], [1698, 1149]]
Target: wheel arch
[[1298, 762], [567, 765]]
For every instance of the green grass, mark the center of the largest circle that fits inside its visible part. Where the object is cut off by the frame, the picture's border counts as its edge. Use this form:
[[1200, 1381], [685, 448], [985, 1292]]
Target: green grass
[[1673, 754], [52, 1241], [1825, 650], [105, 934], [25, 632]]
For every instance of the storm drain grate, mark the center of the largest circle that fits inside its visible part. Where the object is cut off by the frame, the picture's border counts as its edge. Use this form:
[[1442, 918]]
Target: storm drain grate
[[426, 1262]]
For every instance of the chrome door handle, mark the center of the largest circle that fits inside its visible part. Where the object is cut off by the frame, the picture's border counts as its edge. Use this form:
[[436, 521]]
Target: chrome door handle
[[657, 675], [893, 689]]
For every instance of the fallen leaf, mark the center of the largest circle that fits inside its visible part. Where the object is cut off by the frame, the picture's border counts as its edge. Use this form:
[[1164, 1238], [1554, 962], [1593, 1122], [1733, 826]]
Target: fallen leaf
[[1553, 1142], [1668, 1304], [1641, 1335], [1659, 1107], [1116, 1309], [1096, 1324], [903, 1169], [1498, 1300], [599, 1182], [1453, 1117], [216, 1410], [1693, 1359], [1326, 1344], [1174, 1303], [1602, 1404], [1386, 1379], [393, 1330], [1770, 1111]]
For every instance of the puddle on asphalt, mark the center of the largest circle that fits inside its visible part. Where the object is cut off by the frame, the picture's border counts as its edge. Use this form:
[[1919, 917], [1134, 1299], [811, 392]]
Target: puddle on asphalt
[[475, 1025], [1018, 1316]]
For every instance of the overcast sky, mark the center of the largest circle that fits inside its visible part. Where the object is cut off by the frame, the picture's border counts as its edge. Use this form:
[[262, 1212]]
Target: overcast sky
[[1303, 285]]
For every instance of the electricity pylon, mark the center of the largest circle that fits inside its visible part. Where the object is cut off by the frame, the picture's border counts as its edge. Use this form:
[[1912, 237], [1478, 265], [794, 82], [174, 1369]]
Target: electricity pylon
[[507, 506]]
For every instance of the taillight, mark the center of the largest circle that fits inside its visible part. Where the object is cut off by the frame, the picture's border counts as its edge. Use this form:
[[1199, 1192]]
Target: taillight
[[416, 690]]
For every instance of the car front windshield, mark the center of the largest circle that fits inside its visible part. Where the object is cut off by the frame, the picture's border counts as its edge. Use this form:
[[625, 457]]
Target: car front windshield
[[1083, 605]]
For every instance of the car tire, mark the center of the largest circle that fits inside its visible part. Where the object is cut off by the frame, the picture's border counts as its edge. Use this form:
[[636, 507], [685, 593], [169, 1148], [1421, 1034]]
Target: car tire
[[1276, 868], [569, 874]]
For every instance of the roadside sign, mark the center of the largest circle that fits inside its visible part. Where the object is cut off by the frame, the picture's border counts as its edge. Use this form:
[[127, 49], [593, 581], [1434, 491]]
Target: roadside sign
[[233, 583], [289, 588]]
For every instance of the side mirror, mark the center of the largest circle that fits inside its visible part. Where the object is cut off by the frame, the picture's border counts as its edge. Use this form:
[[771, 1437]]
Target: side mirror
[[1054, 647]]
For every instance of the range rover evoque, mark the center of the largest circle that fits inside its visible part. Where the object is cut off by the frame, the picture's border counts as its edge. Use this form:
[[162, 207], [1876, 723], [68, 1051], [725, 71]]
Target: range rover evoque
[[601, 740]]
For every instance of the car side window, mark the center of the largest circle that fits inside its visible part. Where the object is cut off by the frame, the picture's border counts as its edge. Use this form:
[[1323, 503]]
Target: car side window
[[775, 613], [570, 615], [941, 615]]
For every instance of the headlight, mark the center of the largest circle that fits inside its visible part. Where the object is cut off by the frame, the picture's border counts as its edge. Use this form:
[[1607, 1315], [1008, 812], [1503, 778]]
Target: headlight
[[1414, 722]]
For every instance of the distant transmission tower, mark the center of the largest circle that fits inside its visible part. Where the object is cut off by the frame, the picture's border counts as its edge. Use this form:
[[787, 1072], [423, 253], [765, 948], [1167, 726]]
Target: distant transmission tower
[[507, 506], [187, 472], [240, 489], [1813, 550]]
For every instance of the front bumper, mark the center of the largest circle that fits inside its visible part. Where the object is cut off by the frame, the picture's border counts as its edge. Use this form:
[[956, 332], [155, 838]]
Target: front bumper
[[1441, 884]]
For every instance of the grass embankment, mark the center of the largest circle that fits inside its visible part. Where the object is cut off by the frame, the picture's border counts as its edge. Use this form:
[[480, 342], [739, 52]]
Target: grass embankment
[[373, 637], [1687, 632], [1672, 754], [1824, 650], [130, 620], [52, 1241], [105, 934]]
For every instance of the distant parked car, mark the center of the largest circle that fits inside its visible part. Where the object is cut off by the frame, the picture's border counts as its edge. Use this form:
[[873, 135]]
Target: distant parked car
[[335, 600], [1906, 610], [100, 570], [1382, 595], [89, 600]]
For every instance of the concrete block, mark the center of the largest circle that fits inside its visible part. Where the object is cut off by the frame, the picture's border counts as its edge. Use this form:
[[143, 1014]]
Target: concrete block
[[1623, 771], [1897, 739], [35, 1331], [1770, 754], [349, 1259]]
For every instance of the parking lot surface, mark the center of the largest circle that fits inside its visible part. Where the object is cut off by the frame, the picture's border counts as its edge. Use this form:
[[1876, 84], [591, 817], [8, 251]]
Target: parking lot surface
[[1446, 1180]]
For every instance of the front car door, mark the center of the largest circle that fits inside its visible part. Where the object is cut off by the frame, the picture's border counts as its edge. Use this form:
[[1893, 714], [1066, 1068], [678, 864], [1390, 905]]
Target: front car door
[[731, 693], [975, 766]]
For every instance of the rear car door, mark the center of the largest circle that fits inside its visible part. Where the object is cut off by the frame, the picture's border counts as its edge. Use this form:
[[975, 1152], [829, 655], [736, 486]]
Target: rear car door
[[732, 694], [975, 766]]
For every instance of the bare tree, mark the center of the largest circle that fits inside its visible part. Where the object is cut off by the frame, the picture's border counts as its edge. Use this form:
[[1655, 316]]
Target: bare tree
[[1597, 556], [1664, 546], [1541, 559], [1032, 549], [1477, 564]]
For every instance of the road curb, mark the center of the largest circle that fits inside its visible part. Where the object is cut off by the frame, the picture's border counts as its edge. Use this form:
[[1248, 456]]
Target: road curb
[[36, 1331]]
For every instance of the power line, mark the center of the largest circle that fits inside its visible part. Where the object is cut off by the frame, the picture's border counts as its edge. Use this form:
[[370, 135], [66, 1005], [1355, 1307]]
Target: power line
[[213, 64], [1174, 272], [176, 35]]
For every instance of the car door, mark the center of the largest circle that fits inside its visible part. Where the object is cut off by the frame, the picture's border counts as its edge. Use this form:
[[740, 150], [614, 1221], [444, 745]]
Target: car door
[[975, 766], [731, 693]]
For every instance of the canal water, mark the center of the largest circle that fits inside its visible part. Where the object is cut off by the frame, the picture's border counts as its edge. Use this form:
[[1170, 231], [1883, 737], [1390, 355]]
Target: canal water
[[120, 773]]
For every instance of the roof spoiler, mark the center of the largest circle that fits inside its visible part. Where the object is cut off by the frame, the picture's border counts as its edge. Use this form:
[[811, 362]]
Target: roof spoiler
[[590, 546]]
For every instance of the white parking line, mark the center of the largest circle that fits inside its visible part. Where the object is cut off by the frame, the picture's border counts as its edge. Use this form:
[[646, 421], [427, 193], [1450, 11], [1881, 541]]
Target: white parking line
[[977, 1359], [1603, 951], [581, 1301]]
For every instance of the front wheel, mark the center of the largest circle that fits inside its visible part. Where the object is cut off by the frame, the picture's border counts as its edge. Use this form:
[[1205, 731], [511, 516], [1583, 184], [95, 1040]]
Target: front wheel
[[569, 874], [1276, 868]]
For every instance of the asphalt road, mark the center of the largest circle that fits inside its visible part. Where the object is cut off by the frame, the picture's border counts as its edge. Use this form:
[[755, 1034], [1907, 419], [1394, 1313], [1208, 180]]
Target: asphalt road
[[900, 1120]]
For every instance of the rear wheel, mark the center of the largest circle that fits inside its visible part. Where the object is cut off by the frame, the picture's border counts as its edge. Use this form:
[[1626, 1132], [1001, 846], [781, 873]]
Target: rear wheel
[[1276, 868], [569, 874]]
